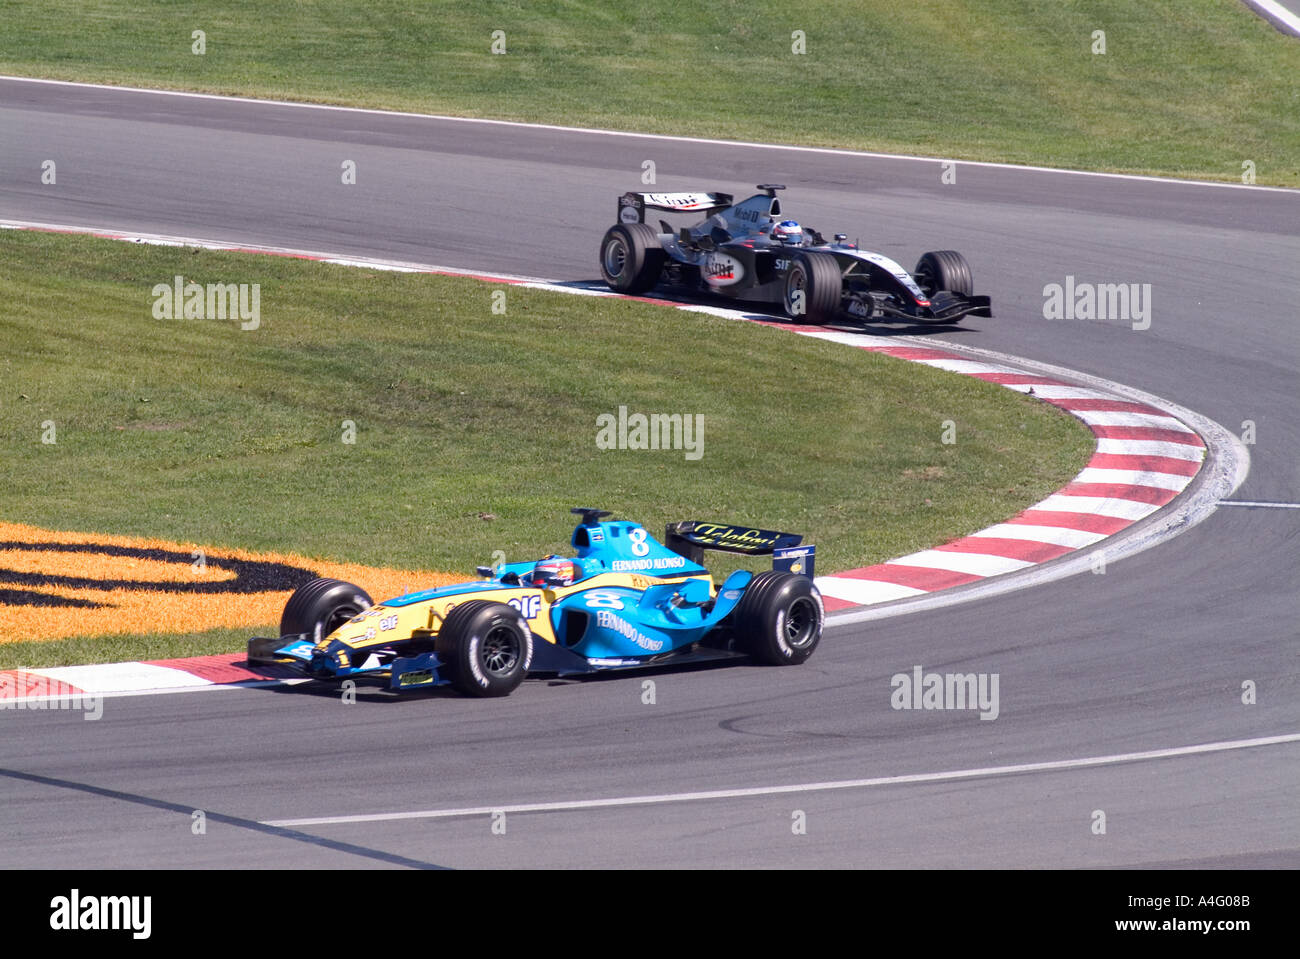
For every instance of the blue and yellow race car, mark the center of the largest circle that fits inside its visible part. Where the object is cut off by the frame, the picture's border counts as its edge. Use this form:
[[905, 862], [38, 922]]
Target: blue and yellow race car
[[621, 600]]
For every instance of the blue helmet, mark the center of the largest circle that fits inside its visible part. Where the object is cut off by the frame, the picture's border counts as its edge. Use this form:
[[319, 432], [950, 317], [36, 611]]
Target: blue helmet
[[788, 232]]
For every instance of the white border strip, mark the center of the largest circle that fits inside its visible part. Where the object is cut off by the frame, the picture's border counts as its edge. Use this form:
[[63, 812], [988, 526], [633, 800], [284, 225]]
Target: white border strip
[[120, 677], [1226, 465], [1058, 765], [230, 246], [20, 702], [1281, 18], [705, 141], [1257, 503]]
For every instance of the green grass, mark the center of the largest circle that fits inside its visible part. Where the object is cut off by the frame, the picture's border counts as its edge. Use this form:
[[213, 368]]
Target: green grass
[[1185, 87], [197, 431], [120, 648]]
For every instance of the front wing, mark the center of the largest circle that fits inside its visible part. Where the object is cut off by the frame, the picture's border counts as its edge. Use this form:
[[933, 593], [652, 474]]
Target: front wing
[[406, 673], [299, 654]]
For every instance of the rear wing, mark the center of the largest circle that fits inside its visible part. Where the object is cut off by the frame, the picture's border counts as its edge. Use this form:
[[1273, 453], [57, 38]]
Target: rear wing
[[632, 206], [691, 538]]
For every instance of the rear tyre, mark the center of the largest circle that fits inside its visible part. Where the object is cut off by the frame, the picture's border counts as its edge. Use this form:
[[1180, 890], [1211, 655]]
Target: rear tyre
[[816, 278], [631, 258], [943, 270], [322, 606], [485, 648], [779, 619]]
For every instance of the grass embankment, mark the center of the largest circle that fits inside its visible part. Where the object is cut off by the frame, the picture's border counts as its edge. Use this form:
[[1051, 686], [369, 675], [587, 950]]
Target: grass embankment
[[474, 432]]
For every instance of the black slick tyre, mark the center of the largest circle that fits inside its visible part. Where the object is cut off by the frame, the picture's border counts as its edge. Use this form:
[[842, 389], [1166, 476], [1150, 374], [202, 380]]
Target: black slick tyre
[[485, 648], [321, 606], [813, 284], [943, 270], [631, 258], [780, 617]]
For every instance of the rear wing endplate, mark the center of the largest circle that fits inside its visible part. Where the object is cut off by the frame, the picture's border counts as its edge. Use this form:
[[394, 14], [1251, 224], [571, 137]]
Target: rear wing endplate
[[632, 206], [691, 538]]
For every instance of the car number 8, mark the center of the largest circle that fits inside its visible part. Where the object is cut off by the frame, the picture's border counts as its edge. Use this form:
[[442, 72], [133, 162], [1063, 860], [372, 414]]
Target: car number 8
[[600, 599]]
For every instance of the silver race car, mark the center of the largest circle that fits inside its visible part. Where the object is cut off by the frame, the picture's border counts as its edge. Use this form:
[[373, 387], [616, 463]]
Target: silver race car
[[747, 251]]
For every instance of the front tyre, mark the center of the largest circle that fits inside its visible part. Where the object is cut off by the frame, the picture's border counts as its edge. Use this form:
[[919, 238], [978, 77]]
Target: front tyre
[[631, 258], [813, 285], [485, 648], [322, 606], [779, 620], [944, 270]]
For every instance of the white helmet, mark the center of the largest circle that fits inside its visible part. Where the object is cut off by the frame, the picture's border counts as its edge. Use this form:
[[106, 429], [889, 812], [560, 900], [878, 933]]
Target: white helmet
[[788, 232]]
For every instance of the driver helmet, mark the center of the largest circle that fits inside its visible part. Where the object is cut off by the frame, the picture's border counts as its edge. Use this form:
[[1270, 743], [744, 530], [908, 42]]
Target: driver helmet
[[788, 232], [553, 571]]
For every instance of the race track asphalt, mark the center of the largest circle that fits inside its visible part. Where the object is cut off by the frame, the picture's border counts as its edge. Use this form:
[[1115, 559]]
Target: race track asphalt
[[1151, 655]]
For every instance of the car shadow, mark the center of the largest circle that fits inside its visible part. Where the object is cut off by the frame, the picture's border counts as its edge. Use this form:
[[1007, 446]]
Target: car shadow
[[772, 314], [376, 691], [364, 688]]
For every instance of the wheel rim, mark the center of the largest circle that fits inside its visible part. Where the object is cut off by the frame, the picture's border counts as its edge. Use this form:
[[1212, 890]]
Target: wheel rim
[[337, 617], [924, 280], [801, 623], [501, 650], [615, 256], [795, 282]]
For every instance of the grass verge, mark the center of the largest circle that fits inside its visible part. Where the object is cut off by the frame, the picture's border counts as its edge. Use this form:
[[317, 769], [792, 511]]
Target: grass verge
[[121, 648], [395, 420]]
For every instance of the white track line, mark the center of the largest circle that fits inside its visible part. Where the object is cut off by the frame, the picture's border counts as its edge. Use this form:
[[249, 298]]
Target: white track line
[[1058, 765], [1243, 502], [594, 131], [1278, 15]]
